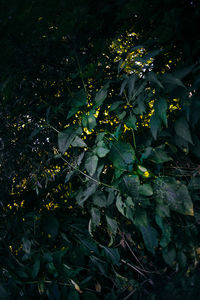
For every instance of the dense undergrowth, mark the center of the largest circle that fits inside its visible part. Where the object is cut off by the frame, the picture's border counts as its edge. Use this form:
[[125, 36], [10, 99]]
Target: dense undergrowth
[[99, 149]]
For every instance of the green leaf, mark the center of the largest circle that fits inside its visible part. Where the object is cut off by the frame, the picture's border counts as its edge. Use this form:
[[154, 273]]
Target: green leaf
[[112, 225], [159, 155], [115, 105], [146, 189], [166, 231], [36, 268], [100, 199], [112, 255], [91, 164], [152, 77], [101, 149], [83, 195], [169, 255], [95, 213], [122, 155], [182, 259], [155, 125], [78, 100], [141, 218], [175, 196], [131, 122], [132, 183], [91, 122], [90, 245], [150, 238], [182, 129], [162, 210], [169, 79], [78, 142], [120, 205], [101, 95], [66, 137], [161, 109]]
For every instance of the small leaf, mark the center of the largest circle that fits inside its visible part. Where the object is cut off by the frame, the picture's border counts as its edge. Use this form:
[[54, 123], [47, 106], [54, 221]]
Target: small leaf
[[66, 137], [145, 190], [101, 95], [120, 205], [78, 142], [91, 164], [95, 213], [131, 122], [112, 225]]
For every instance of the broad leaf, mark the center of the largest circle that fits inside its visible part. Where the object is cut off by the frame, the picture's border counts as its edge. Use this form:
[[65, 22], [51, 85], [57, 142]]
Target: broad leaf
[[112, 225], [150, 238], [66, 138], [100, 199], [155, 125], [83, 195], [182, 129], [91, 164], [122, 155], [95, 213], [112, 255]]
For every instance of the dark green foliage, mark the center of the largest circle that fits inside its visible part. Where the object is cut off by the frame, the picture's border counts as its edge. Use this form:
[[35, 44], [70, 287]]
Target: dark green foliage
[[91, 209]]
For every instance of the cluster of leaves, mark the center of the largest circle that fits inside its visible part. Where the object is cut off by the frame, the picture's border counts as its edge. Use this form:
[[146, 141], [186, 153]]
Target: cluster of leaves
[[125, 215]]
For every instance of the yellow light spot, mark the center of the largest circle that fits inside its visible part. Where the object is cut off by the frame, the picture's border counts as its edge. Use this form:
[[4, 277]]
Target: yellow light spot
[[146, 174]]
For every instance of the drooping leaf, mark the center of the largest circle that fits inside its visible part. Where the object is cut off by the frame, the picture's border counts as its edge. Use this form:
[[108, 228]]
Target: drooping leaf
[[152, 77], [155, 125], [175, 196], [169, 255], [146, 189], [101, 95], [161, 109], [150, 238], [132, 183], [100, 199], [91, 164], [141, 218], [95, 213], [112, 255], [182, 129], [101, 149], [78, 100], [122, 155], [112, 225], [78, 142], [131, 122], [83, 195], [66, 137], [120, 205]]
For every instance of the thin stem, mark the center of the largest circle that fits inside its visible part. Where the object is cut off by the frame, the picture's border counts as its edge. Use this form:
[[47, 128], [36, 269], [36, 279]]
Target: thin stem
[[89, 177]]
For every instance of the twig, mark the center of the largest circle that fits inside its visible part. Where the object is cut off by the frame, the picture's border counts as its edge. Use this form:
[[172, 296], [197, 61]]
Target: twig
[[130, 294], [133, 267]]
